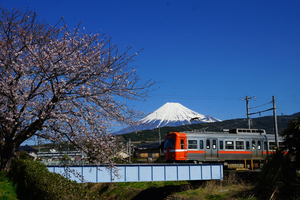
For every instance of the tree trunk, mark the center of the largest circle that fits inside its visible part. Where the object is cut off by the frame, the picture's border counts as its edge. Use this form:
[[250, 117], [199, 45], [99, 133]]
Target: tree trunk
[[7, 153]]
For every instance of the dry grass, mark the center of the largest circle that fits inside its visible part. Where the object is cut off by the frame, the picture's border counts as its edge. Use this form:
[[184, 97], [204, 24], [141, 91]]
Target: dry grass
[[230, 188]]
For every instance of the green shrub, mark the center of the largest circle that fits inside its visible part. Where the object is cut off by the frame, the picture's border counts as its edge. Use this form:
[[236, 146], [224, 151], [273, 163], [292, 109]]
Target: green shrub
[[7, 190], [34, 181], [278, 178], [160, 160]]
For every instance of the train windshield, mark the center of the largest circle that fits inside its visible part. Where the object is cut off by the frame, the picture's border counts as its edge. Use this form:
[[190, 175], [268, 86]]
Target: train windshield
[[169, 144]]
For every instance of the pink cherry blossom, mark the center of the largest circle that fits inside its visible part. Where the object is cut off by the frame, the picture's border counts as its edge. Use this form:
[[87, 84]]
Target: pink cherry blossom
[[62, 84]]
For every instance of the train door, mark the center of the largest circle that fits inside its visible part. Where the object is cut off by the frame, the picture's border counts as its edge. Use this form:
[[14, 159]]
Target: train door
[[256, 149], [183, 148], [211, 150]]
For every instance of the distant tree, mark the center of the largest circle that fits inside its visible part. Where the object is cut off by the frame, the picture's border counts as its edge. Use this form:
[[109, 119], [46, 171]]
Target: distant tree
[[292, 138], [62, 84]]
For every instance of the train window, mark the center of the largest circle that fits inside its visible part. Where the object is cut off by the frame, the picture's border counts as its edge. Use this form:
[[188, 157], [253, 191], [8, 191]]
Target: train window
[[265, 146], [201, 144], [221, 144], [239, 145], [171, 143], [247, 145], [229, 145], [258, 145], [207, 144], [192, 144], [253, 145], [166, 144], [272, 145], [214, 144], [182, 144]]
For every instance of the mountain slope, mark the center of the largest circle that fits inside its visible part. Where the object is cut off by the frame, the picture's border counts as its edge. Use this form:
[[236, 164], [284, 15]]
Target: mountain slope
[[170, 114], [266, 122]]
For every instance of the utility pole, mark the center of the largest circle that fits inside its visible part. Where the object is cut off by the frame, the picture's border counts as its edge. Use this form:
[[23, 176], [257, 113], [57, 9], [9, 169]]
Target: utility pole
[[129, 149], [248, 116], [275, 123], [159, 137], [247, 106]]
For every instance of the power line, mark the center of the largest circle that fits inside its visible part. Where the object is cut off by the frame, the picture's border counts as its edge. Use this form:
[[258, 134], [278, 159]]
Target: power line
[[211, 98], [193, 97], [261, 105]]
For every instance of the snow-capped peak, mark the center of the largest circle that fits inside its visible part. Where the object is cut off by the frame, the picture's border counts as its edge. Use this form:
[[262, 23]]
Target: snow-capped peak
[[170, 114]]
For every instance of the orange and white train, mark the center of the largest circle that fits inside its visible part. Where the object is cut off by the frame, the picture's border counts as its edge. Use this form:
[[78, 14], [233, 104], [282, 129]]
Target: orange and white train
[[230, 146]]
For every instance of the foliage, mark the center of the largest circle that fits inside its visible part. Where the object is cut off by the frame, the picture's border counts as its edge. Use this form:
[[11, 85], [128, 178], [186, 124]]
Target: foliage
[[278, 178], [65, 160], [292, 137], [7, 190], [159, 160], [62, 84], [34, 181]]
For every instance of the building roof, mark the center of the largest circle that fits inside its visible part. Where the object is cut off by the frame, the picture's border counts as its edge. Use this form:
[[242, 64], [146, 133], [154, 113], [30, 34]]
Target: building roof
[[154, 145], [26, 148]]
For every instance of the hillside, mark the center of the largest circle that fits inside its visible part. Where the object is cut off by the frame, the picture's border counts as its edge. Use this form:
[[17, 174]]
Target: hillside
[[266, 123]]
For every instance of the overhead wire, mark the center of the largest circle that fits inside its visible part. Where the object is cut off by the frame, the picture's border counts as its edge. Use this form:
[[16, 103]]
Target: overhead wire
[[180, 96], [222, 98], [261, 105], [193, 97]]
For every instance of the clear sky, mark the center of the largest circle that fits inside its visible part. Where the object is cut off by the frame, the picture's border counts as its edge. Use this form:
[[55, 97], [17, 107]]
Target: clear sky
[[208, 55]]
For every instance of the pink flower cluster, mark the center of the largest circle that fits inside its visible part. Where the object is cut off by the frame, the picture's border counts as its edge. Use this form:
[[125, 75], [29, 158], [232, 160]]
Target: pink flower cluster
[[62, 84]]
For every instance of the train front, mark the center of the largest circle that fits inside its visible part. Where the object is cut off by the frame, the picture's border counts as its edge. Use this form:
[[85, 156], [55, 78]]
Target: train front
[[175, 147]]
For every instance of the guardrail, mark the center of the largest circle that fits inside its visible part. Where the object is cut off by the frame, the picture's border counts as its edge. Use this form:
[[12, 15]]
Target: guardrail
[[141, 172]]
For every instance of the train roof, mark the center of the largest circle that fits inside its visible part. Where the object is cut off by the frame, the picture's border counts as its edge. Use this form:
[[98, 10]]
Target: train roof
[[239, 131]]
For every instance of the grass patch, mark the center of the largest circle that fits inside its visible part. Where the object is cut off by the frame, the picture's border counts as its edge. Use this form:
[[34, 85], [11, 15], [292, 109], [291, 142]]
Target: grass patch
[[206, 190], [7, 189], [139, 190], [217, 190], [147, 185]]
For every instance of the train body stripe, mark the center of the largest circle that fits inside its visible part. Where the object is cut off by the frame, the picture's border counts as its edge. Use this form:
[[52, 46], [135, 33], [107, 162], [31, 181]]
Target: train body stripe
[[234, 152], [273, 152], [220, 152], [177, 150], [196, 151]]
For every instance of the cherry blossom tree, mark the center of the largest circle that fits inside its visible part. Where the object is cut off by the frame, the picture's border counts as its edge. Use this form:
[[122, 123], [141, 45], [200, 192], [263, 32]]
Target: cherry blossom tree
[[63, 84]]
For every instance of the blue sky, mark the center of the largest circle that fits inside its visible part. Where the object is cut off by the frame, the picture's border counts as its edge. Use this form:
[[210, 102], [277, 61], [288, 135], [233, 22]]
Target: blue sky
[[208, 55]]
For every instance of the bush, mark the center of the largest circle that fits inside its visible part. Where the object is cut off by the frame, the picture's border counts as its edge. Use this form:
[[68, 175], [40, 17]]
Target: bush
[[278, 179], [34, 181]]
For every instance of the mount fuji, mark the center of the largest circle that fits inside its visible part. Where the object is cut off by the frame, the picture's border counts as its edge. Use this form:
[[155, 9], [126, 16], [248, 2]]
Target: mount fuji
[[170, 114]]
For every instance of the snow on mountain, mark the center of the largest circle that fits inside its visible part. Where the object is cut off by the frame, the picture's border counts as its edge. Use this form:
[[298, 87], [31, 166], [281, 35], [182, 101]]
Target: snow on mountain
[[170, 114]]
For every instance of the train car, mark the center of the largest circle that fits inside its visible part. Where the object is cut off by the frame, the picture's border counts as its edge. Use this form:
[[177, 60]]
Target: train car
[[232, 147]]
